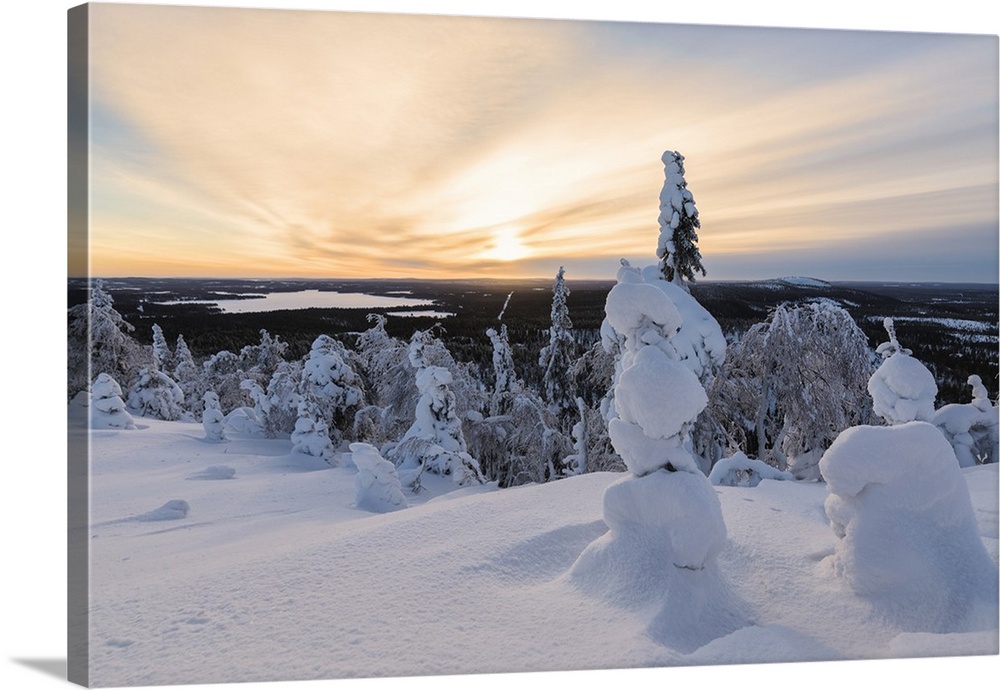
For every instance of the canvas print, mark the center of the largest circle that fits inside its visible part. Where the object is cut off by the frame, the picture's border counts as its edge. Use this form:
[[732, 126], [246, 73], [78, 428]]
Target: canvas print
[[415, 345]]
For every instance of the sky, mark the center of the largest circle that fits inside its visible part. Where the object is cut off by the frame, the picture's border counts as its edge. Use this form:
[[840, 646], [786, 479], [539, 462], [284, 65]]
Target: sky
[[276, 143]]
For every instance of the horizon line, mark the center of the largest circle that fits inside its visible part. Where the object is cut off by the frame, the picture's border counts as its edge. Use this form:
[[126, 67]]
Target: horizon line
[[533, 279]]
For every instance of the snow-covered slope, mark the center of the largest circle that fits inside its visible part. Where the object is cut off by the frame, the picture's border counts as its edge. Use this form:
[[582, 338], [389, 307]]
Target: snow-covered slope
[[273, 574]]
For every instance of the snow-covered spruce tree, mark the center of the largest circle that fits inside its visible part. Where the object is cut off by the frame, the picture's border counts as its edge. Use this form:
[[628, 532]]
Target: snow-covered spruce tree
[[434, 442], [259, 362], [793, 384], [527, 443], [664, 519], [972, 428], [99, 341], [311, 443], [156, 395], [699, 345], [189, 376], [212, 419], [277, 405], [329, 387], [556, 358], [678, 248], [386, 375], [902, 388], [223, 374], [505, 380], [107, 409], [163, 359]]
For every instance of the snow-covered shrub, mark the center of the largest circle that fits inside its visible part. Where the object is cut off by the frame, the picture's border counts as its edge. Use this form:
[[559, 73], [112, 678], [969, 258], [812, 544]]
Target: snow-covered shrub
[[739, 470], [792, 384], [902, 389], [107, 409], [155, 394], [971, 428], [311, 440], [907, 534], [435, 441], [664, 519], [212, 419], [377, 483]]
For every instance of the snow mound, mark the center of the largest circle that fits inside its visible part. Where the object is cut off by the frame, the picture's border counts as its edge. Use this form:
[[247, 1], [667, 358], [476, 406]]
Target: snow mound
[[776, 643], [378, 486], [954, 644], [908, 536], [214, 472], [739, 470], [655, 554], [171, 510]]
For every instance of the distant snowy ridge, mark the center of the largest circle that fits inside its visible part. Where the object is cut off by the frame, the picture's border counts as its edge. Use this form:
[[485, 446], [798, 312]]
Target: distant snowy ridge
[[803, 281]]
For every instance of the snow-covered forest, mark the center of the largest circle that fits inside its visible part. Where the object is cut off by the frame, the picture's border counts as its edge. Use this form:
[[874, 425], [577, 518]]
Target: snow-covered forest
[[671, 495]]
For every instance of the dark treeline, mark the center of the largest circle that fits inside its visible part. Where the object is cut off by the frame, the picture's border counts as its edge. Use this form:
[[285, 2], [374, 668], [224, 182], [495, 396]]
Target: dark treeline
[[921, 313]]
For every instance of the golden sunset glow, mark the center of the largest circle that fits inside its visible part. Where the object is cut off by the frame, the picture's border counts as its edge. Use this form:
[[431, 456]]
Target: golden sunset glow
[[268, 143]]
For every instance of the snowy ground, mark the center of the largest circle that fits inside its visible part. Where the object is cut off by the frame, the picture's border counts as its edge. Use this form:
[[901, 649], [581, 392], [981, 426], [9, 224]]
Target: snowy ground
[[272, 574]]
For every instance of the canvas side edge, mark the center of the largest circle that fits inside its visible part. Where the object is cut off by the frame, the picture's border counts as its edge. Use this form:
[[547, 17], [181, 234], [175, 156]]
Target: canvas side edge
[[78, 445]]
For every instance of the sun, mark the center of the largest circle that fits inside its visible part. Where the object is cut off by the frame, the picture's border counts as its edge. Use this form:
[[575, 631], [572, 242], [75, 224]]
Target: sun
[[507, 246]]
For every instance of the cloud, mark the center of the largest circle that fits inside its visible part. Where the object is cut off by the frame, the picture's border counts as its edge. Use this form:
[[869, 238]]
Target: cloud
[[330, 143]]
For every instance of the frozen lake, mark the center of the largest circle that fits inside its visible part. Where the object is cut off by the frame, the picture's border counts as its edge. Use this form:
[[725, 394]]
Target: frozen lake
[[306, 299]]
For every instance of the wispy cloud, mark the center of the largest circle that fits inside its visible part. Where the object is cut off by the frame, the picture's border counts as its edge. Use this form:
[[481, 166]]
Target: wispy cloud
[[322, 143]]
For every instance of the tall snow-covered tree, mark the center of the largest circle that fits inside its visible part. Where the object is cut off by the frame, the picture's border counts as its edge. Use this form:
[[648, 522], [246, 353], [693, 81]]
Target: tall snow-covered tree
[[505, 380], [679, 224], [99, 341], [665, 524], [556, 358], [163, 359], [189, 376]]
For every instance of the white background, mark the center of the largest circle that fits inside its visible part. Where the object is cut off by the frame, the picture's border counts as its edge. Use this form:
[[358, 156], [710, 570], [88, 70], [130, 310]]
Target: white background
[[32, 381]]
